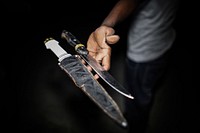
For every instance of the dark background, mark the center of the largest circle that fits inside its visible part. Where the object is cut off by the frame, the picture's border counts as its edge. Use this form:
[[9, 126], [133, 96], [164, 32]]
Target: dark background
[[36, 95]]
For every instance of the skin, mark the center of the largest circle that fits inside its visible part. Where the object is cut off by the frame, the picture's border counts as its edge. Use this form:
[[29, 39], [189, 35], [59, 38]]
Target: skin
[[99, 41]]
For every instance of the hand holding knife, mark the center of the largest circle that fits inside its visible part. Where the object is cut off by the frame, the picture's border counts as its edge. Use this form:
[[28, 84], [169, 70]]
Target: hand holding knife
[[84, 79], [83, 52]]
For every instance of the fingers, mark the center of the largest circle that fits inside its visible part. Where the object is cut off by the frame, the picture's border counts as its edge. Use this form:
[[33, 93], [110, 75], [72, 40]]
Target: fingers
[[100, 35], [92, 44], [98, 47], [112, 39], [106, 62], [96, 76], [107, 30]]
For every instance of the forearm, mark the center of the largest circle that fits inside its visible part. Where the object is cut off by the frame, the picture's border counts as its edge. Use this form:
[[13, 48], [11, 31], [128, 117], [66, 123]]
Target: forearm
[[120, 11]]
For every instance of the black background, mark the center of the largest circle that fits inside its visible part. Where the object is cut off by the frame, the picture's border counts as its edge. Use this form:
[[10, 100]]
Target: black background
[[37, 97]]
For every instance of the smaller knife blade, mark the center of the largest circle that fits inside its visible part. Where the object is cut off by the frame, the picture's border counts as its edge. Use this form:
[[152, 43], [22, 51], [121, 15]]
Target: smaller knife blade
[[83, 52]]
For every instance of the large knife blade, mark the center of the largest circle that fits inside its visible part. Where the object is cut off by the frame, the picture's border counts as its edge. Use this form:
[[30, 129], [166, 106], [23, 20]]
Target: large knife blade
[[105, 75], [84, 79]]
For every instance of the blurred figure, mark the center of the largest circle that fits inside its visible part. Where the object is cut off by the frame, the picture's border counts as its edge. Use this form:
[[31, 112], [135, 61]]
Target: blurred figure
[[150, 37]]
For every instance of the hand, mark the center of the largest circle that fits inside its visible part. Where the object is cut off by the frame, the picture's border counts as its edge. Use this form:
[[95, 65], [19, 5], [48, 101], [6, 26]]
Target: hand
[[98, 47]]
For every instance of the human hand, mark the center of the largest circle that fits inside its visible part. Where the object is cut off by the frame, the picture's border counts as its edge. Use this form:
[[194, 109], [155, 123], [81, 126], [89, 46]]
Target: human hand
[[98, 45]]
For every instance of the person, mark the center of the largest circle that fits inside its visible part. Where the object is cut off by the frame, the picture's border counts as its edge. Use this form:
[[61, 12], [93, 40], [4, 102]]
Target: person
[[150, 37]]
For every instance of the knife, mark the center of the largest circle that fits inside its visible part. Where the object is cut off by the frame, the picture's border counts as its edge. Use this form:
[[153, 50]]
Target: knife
[[84, 79], [105, 75]]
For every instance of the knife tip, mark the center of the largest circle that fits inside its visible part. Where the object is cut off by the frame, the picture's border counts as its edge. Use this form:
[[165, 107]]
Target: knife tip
[[124, 124], [130, 96]]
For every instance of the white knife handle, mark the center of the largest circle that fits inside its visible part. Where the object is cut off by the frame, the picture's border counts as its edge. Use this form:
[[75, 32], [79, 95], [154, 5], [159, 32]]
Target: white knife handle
[[52, 44]]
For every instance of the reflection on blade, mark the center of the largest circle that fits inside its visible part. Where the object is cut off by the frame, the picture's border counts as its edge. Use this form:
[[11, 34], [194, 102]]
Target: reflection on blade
[[83, 52], [106, 76]]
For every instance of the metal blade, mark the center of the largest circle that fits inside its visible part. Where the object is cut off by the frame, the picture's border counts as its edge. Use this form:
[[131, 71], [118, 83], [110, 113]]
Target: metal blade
[[107, 77], [82, 51], [84, 79]]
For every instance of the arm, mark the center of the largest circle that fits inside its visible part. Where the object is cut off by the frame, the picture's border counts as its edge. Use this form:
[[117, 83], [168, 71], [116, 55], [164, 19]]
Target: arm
[[121, 11], [98, 41]]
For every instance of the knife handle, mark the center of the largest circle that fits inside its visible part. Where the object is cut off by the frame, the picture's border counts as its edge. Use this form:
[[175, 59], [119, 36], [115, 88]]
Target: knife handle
[[71, 39], [54, 46]]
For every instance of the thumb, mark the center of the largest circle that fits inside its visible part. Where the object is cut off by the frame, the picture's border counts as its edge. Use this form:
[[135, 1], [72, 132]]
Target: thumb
[[112, 39]]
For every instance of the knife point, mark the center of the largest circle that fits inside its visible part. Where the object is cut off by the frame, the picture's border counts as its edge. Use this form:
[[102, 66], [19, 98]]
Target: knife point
[[131, 97], [124, 124]]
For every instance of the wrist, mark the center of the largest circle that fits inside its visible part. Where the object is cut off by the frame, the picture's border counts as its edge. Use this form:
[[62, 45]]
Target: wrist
[[108, 24]]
